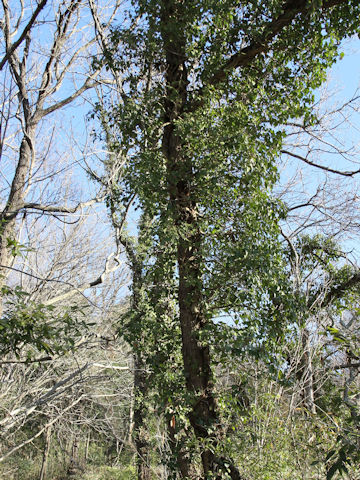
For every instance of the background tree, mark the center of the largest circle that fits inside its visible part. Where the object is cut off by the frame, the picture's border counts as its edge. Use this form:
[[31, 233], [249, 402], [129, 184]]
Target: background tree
[[41, 78], [61, 365]]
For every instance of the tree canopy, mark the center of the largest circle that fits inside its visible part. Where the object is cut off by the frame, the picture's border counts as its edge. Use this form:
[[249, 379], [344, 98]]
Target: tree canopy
[[208, 89]]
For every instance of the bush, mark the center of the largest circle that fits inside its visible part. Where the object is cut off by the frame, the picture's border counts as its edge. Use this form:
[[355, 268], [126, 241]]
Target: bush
[[112, 473]]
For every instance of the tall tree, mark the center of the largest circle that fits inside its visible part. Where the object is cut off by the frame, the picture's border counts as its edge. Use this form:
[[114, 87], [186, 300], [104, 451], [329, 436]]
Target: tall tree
[[44, 71], [206, 89]]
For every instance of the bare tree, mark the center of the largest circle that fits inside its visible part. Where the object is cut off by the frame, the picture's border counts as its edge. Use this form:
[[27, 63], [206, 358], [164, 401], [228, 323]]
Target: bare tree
[[320, 170], [56, 245], [46, 72]]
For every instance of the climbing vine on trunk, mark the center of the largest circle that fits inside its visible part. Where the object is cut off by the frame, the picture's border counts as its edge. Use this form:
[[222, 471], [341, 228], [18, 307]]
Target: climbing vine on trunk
[[206, 89]]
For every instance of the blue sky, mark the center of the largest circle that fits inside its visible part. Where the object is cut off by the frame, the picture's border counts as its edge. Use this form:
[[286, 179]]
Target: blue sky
[[342, 85]]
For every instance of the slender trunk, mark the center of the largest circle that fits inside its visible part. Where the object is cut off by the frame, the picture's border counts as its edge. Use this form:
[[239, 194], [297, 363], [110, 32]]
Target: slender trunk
[[138, 435], [203, 416], [131, 415], [307, 373], [45, 454], [141, 380], [140, 414], [74, 465], [179, 454], [87, 445]]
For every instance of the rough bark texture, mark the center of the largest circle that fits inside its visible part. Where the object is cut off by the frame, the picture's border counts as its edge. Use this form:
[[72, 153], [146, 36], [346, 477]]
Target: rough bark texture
[[14, 204], [185, 469], [140, 432], [204, 416], [16, 195]]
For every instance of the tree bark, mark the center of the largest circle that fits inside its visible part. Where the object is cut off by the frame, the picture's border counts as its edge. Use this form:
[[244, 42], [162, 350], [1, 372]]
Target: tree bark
[[30, 102], [140, 432], [308, 373], [204, 416], [45, 454], [181, 457], [14, 204], [74, 466]]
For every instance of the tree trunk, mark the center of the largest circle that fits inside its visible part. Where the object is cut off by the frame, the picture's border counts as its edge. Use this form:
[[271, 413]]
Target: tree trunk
[[204, 416], [139, 417], [131, 415], [307, 373], [14, 204], [45, 454], [87, 445], [74, 466], [141, 376], [179, 454]]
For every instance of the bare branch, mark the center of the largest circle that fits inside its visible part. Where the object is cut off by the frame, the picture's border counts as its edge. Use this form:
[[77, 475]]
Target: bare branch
[[40, 432], [35, 360], [81, 288], [88, 84], [74, 289], [322, 167], [345, 365], [61, 208], [112, 367], [15, 45], [335, 292]]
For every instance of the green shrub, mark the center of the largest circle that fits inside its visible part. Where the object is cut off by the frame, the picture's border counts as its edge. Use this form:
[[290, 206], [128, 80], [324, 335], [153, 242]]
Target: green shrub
[[112, 473]]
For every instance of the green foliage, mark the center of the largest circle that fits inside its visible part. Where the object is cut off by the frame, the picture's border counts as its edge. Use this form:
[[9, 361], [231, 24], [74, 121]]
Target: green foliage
[[345, 452], [26, 465], [231, 141], [201, 149], [112, 473], [267, 435], [15, 247], [33, 327]]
